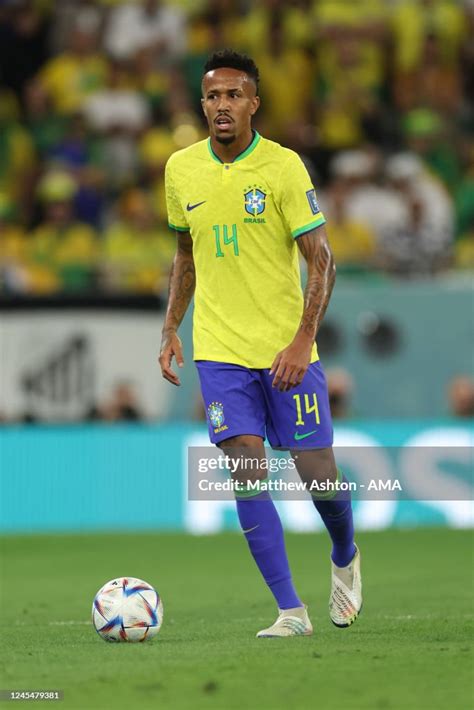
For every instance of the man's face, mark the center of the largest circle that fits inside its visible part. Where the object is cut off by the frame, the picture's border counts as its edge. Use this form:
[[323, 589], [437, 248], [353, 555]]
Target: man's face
[[229, 103]]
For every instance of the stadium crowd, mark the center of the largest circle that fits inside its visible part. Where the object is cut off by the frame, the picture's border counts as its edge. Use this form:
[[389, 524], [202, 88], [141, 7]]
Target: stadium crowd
[[376, 96]]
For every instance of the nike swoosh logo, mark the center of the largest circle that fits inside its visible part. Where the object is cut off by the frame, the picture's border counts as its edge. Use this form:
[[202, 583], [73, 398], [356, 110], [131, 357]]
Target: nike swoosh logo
[[250, 529], [192, 207], [298, 437]]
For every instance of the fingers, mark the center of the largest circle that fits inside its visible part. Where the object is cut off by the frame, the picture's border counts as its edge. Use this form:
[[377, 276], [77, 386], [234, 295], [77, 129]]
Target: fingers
[[288, 376], [171, 376], [166, 369], [279, 370], [294, 377], [276, 362], [178, 353]]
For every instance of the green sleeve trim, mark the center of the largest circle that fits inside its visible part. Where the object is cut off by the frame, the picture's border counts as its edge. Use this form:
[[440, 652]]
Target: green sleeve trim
[[178, 229], [308, 227]]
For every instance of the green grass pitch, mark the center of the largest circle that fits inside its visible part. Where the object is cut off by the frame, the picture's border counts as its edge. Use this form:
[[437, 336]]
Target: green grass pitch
[[409, 650]]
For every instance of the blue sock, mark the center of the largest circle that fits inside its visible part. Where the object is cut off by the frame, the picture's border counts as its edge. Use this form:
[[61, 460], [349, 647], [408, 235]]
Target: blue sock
[[262, 527], [336, 514]]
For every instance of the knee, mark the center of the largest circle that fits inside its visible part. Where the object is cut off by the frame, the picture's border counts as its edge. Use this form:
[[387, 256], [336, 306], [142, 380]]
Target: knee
[[246, 454], [315, 465]]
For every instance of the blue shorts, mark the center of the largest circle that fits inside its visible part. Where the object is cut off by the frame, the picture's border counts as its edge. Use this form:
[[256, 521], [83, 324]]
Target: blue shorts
[[239, 401]]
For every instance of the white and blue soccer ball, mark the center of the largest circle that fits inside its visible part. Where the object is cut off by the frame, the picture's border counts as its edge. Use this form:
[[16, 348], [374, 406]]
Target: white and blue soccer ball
[[127, 609]]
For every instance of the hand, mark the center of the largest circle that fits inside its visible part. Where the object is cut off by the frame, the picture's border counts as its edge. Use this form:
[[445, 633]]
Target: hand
[[290, 364], [170, 346]]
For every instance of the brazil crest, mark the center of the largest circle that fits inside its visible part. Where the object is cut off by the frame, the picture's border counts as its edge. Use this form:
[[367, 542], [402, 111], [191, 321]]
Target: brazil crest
[[254, 201], [215, 412]]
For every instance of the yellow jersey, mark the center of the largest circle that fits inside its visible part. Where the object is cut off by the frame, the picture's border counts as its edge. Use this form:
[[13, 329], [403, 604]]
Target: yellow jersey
[[244, 218]]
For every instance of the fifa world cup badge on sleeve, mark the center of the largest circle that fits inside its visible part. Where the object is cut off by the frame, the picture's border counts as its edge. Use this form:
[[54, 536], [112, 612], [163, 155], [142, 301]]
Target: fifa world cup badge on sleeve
[[313, 203], [215, 412]]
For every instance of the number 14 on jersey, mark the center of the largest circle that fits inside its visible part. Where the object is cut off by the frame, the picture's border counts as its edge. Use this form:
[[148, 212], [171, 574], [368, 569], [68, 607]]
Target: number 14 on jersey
[[223, 233]]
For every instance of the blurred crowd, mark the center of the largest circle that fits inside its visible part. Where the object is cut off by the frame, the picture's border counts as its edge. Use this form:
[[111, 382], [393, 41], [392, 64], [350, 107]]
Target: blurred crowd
[[375, 95]]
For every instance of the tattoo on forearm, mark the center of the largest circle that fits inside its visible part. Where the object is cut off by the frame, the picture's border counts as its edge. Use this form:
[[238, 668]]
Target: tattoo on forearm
[[321, 277], [181, 284]]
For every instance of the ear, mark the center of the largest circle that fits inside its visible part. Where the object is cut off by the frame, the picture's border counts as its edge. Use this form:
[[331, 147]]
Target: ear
[[203, 104], [255, 105]]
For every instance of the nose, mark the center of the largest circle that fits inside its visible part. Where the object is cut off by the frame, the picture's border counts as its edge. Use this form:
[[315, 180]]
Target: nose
[[223, 104]]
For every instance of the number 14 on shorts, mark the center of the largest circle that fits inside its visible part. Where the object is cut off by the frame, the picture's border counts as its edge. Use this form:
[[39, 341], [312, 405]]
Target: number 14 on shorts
[[308, 407]]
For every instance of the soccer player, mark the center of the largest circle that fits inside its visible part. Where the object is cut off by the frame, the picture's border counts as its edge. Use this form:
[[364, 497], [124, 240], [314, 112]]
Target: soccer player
[[242, 206]]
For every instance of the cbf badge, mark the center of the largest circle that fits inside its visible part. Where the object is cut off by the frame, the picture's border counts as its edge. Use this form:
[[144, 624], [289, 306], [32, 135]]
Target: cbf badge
[[215, 412], [254, 201]]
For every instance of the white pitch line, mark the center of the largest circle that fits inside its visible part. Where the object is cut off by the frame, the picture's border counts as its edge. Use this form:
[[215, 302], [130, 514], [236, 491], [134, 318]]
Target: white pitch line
[[400, 617], [426, 617], [53, 623]]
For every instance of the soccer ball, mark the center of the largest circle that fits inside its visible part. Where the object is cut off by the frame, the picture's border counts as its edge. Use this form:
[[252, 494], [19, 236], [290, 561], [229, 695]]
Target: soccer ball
[[127, 609]]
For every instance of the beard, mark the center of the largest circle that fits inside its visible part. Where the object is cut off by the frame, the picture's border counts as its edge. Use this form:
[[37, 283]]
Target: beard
[[225, 140]]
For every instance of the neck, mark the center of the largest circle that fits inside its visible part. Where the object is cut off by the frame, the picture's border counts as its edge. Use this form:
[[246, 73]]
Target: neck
[[228, 153]]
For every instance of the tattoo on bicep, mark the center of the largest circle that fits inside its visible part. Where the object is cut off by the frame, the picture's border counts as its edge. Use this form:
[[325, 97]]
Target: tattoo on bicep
[[321, 277]]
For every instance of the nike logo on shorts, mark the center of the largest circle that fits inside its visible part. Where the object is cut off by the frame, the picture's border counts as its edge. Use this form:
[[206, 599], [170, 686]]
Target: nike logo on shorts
[[298, 437], [192, 207]]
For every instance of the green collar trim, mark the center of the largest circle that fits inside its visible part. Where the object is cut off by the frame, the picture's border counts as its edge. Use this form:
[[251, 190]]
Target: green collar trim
[[250, 148]]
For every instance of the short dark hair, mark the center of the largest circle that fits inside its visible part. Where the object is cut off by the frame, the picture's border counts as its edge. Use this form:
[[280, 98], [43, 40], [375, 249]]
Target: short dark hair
[[229, 59]]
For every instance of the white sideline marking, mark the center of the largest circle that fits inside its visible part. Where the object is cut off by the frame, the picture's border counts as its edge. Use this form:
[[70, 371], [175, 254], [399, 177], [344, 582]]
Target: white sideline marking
[[404, 617], [400, 617], [53, 623]]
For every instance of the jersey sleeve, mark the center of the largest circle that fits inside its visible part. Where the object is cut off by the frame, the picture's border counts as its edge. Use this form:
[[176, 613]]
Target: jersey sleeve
[[298, 200], [176, 216]]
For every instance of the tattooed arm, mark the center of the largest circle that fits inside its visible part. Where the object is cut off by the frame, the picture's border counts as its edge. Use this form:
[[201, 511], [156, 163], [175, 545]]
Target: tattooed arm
[[290, 364], [180, 292], [314, 246]]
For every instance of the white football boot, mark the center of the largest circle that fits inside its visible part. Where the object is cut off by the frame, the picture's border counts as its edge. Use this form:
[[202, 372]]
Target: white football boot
[[345, 601], [290, 622]]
